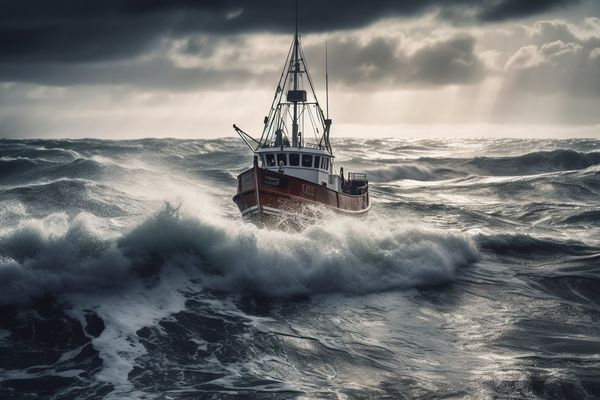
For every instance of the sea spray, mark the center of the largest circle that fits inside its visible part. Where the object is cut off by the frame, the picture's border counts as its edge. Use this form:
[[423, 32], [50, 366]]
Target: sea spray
[[60, 255]]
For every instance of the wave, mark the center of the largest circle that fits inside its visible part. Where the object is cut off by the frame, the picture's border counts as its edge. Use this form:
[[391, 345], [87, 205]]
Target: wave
[[411, 171], [432, 169], [19, 170], [69, 195], [519, 243], [59, 255], [11, 168], [55, 154], [586, 217], [536, 162], [573, 287]]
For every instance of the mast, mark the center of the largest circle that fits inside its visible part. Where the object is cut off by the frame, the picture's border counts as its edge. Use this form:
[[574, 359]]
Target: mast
[[296, 68], [295, 102], [327, 120], [326, 83]]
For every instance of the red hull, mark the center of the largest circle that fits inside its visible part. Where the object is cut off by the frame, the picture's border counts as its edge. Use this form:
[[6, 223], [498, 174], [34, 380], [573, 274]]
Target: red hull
[[264, 195]]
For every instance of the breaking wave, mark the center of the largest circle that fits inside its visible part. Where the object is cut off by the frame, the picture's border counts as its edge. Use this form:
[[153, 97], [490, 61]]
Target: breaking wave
[[56, 255], [59, 254]]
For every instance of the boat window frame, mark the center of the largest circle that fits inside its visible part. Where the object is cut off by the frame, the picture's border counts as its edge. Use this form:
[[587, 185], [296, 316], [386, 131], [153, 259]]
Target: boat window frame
[[273, 158], [317, 161], [308, 157], [295, 156], [282, 156]]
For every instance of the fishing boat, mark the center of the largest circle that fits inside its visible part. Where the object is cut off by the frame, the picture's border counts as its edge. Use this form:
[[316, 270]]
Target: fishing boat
[[293, 174]]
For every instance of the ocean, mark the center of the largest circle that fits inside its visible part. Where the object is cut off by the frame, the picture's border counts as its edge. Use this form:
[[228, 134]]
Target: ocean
[[126, 272]]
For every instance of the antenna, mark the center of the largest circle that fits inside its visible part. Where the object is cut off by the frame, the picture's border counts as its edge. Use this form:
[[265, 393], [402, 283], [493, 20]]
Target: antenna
[[326, 83], [296, 70]]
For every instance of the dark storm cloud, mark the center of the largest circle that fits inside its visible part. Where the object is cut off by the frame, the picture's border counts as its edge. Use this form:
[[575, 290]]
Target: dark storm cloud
[[388, 61], [157, 73], [71, 30], [379, 61], [507, 9]]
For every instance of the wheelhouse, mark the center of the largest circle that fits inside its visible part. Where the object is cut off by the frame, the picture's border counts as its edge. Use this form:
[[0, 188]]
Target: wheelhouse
[[296, 158], [311, 164]]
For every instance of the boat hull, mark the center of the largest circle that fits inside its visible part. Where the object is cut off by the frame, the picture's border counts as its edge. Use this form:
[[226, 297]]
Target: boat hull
[[267, 197]]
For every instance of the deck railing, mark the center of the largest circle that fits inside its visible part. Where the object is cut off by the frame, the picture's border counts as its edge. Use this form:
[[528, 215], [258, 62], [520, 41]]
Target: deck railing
[[357, 176]]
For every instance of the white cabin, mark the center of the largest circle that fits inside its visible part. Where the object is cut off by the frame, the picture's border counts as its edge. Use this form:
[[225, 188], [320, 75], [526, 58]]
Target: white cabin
[[311, 164]]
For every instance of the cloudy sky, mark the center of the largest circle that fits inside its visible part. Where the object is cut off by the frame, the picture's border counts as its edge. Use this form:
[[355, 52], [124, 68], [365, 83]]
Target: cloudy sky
[[184, 68]]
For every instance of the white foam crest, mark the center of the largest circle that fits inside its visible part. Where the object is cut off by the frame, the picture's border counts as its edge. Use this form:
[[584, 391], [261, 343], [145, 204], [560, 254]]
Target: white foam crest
[[59, 254], [22, 158], [342, 255]]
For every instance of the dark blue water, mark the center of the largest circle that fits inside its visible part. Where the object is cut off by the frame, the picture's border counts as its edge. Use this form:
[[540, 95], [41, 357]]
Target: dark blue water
[[126, 272]]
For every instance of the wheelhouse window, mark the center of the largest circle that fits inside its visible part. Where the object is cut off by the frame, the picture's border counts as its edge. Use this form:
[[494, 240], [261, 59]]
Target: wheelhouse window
[[327, 164], [270, 160], [306, 160], [317, 161], [281, 159], [294, 159], [323, 163]]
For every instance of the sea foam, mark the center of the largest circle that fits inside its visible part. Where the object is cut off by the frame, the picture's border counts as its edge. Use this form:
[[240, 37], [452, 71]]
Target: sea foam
[[60, 254]]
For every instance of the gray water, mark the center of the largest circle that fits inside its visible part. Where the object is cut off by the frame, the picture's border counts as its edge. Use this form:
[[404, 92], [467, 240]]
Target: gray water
[[126, 272]]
